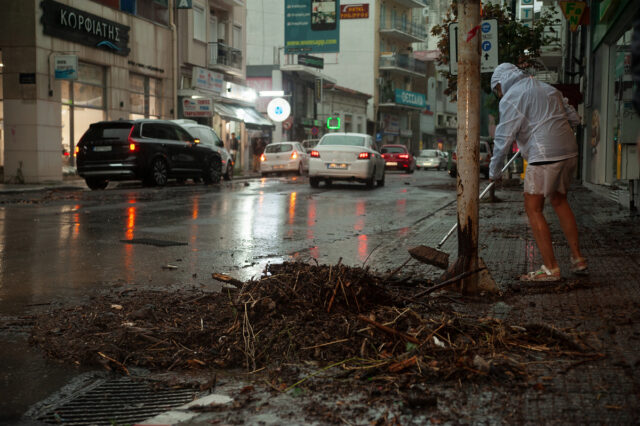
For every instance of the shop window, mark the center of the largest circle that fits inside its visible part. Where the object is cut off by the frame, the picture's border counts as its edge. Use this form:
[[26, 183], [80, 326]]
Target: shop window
[[199, 23], [144, 96], [83, 103]]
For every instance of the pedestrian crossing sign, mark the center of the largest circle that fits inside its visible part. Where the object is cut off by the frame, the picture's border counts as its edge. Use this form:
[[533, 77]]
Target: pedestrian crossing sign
[[573, 10]]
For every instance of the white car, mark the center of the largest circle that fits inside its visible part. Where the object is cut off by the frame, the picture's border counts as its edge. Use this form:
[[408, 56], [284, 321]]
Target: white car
[[208, 137], [284, 157], [431, 159], [346, 156]]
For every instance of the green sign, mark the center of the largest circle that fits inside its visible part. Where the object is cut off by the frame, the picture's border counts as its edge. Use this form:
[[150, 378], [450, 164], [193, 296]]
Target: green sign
[[311, 61], [184, 4], [311, 26], [333, 123]]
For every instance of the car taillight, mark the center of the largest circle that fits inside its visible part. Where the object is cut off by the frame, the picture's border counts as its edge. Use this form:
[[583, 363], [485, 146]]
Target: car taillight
[[403, 156], [263, 158], [364, 156], [315, 154], [132, 143], [294, 155], [76, 151]]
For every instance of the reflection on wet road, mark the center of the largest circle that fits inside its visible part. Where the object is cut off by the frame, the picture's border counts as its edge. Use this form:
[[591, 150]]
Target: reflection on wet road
[[62, 250]]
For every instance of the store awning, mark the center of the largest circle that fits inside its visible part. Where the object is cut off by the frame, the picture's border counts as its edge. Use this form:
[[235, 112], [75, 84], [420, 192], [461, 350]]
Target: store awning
[[227, 112], [253, 118]]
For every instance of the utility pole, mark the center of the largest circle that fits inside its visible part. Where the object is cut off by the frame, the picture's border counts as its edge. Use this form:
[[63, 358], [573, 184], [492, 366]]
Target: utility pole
[[468, 141]]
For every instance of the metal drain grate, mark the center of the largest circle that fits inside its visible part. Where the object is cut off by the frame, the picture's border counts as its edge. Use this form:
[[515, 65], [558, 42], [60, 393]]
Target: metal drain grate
[[153, 242], [120, 401]]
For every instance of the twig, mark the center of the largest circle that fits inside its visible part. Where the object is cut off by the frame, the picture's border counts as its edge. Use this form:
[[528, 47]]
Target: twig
[[325, 344], [448, 282], [333, 296], [389, 330], [118, 363], [249, 340], [370, 253]]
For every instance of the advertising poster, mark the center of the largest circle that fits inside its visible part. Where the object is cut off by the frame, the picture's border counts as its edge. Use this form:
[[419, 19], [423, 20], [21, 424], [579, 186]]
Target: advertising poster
[[311, 26]]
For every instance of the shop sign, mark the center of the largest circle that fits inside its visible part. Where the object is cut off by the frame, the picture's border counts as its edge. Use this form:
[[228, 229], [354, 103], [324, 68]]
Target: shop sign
[[572, 11], [239, 92], [404, 97], [197, 107], [406, 133], [206, 80], [65, 67], [354, 11], [311, 61], [390, 124], [311, 26], [184, 4], [68, 23], [278, 109]]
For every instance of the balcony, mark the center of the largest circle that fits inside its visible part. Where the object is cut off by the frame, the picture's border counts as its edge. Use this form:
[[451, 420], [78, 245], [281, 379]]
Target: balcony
[[402, 30], [411, 3], [403, 64], [225, 58]]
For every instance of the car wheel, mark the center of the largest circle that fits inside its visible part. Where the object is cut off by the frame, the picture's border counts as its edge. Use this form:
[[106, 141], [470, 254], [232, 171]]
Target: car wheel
[[314, 182], [381, 181], [452, 173], [229, 174], [212, 173], [96, 183], [372, 180], [159, 173]]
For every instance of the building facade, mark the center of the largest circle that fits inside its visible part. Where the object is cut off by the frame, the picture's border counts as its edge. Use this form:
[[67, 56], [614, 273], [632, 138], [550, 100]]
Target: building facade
[[123, 70]]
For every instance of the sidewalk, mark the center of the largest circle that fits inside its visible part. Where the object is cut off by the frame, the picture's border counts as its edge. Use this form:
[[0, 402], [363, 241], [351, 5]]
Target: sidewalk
[[601, 310]]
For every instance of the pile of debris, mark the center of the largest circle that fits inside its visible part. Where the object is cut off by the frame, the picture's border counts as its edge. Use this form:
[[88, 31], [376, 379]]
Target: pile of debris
[[297, 314]]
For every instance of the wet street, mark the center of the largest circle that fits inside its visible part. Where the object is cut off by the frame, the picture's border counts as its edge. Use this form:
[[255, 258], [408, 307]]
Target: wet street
[[59, 248]]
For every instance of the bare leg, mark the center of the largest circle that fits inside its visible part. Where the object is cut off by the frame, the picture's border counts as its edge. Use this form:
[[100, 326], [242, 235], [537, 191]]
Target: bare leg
[[567, 222], [534, 205]]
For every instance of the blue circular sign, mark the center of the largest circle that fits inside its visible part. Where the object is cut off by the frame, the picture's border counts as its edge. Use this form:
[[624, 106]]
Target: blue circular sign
[[486, 27], [486, 46]]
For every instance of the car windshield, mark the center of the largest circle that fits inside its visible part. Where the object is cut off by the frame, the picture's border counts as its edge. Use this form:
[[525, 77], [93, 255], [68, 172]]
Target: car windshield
[[393, 150], [428, 153], [278, 147], [348, 140]]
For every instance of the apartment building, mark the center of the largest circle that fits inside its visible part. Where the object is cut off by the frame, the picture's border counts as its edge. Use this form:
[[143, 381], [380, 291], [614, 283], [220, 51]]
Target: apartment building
[[117, 65], [211, 82]]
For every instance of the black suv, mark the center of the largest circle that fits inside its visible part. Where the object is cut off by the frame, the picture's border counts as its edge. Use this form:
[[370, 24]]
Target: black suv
[[149, 150]]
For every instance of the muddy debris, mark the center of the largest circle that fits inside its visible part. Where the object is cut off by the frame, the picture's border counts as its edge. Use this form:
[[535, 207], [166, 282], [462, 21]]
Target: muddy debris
[[302, 325]]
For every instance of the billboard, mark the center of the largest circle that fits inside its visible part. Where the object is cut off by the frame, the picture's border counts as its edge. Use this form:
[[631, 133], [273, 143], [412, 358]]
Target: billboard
[[311, 26]]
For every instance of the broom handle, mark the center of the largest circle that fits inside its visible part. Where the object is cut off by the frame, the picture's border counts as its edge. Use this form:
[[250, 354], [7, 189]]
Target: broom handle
[[482, 194]]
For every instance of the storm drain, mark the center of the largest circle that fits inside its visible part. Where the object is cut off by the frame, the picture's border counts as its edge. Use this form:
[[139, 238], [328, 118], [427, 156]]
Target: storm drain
[[120, 401], [153, 242]]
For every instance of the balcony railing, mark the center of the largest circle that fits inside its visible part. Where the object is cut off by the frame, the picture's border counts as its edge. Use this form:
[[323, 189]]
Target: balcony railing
[[405, 62], [404, 26], [221, 54]]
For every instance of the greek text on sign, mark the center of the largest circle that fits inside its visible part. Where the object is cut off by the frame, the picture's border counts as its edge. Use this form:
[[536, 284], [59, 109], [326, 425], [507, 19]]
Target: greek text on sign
[[414, 99], [573, 10], [354, 11], [197, 107]]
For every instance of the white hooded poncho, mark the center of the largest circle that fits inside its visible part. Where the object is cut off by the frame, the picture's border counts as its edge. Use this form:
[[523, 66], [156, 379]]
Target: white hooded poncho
[[535, 115]]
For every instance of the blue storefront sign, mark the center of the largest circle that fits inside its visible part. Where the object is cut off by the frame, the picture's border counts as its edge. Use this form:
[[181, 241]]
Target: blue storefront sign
[[414, 99], [311, 26]]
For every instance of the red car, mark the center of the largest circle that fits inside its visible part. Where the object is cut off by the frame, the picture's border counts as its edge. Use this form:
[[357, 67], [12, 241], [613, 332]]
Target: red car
[[398, 157]]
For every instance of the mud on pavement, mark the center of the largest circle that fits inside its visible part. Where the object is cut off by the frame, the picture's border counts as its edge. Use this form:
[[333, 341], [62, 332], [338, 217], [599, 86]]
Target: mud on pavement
[[347, 345]]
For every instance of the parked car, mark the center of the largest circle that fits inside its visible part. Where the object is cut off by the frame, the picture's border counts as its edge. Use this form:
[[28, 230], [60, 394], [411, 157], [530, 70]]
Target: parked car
[[431, 159], [284, 157], [346, 156], [152, 151], [208, 137], [485, 159], [398, 157], [309, 144]]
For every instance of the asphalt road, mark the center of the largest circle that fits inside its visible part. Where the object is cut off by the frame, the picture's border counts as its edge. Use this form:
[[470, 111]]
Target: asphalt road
[[60, 247]]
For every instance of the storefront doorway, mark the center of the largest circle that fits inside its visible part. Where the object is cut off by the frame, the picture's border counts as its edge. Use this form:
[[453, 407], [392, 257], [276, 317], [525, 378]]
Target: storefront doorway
[[83, 102]]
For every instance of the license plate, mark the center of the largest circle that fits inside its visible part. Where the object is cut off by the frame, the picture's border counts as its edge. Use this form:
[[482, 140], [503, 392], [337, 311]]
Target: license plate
[[278, 166], [102, 148], [392, 163], [337, 166]]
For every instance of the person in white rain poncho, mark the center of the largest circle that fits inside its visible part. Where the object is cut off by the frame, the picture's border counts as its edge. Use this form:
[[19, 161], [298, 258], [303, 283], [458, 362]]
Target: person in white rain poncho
[[540, 120]]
